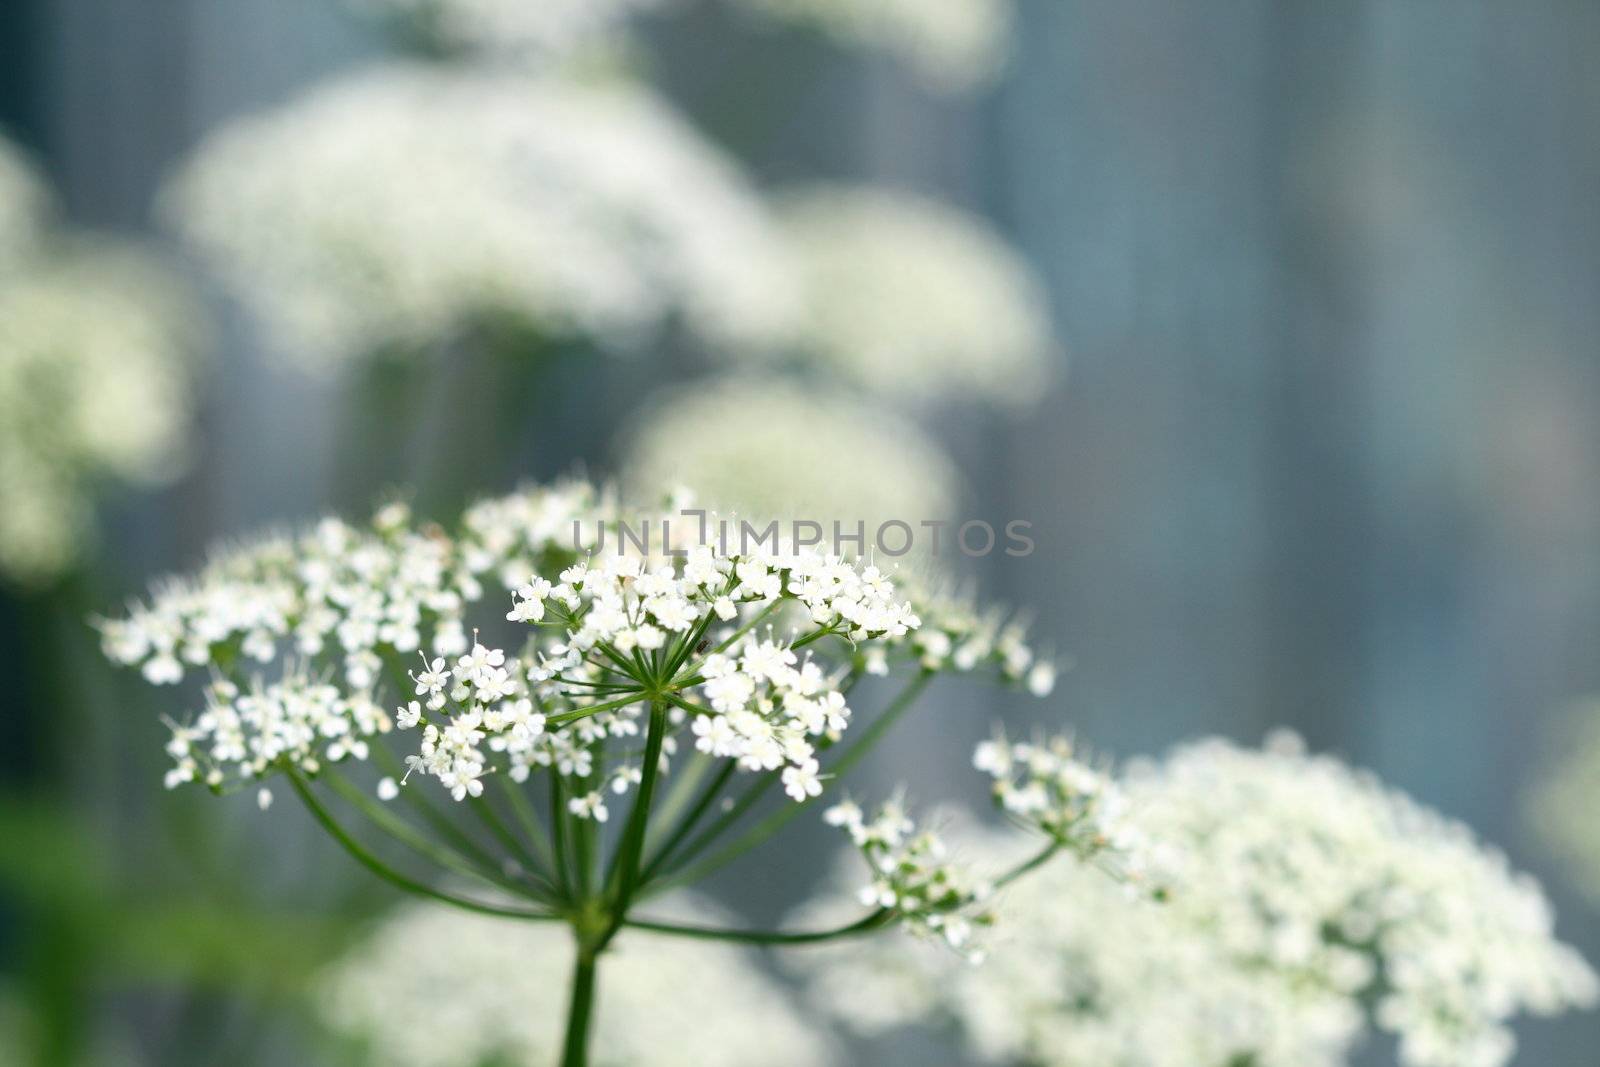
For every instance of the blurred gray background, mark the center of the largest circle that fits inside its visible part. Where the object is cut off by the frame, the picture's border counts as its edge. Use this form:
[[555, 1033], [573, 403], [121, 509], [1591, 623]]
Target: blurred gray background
[[1326, 454]]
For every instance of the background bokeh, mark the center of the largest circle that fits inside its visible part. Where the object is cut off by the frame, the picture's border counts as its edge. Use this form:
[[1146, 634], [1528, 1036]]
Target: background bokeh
[[1322, 452]]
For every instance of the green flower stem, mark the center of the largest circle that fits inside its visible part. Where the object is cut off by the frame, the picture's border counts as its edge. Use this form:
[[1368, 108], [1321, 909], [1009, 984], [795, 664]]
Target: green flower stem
[[869, 923], [389, 874], [559, 824], [678, 875], [580, 1012], [689, 821], [512, 843], [528, 822], [686, 779], [746, 801], [402, 832], [1044, 856], [583, 713], [626, 860], [687, 705]]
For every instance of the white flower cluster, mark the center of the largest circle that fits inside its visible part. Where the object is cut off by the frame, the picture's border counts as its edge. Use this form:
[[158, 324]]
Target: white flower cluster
[[782, 448], [296, 718], [1301, 868], [1308, 904], [334, 589], [474, 990], [912, 876], [915, 300], [545, 31], [96, 348], [1046, 787], [750, 648], [1081, 974], [764, 704], [356, 601], [402, 206], [953, 44], [1561, 807]]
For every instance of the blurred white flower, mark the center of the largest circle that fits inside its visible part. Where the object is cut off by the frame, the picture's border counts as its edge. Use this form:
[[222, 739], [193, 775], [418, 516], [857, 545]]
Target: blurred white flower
[[1081, 973], [23, 204], [764, 447], [437, 988], [1307, 903], [1306, 869], [95, 348], [915, 300], [546, 29], [1563, 804], [952, 45], [397, 207]]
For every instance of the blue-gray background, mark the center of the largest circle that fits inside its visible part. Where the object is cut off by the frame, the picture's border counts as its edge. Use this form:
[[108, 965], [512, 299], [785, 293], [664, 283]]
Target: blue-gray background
[[1326, 454]]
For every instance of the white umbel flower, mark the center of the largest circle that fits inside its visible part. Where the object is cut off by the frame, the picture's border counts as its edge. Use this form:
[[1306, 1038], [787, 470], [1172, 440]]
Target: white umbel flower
[[910, 872], [1081, 973], [472, 990], [307, 635], [915, 300], [96, 350], [396, 208], [952, 45], [1308, 905], [1304, 868], [760, 447]]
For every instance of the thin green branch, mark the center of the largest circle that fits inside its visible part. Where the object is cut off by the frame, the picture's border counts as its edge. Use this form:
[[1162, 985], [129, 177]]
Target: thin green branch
[[1044, 856], [626, 862], [389, 874], [867, 924], [407, 835], [686, 826], [497, 827], [558, 824], [528, 822], [764, 829]]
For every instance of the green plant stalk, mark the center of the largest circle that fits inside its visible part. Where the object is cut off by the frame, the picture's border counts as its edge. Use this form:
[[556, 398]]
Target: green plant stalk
[[580, 1010], [389, 874], [629, 851]]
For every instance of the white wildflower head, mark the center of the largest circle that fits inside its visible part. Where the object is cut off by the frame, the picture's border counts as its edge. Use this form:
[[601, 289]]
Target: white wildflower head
[[318, 642], [914, 300], [97, 343], [1048, 787], [764, 446], [403, 206], [1303, 868], [1081, 973], [476, 990], [621, 630], [911, 874], [544, 32], [951, 45]]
